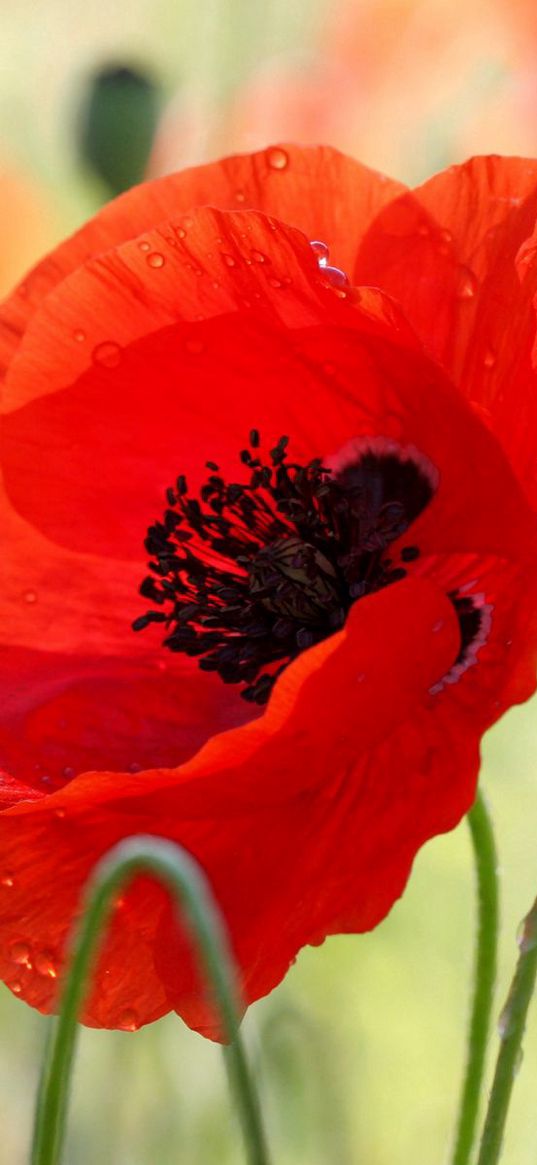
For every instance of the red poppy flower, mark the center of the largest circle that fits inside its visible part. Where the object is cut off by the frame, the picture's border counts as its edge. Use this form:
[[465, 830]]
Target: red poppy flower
[[336, 492]]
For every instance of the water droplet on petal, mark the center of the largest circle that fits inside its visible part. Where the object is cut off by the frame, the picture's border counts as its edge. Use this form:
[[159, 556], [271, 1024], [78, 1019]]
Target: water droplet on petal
[[277, 158], [275, 281], [30, 597], [45, 965], [259, 257], [229, 260], [128, 1021], [15, 987], [187, 222], [321, 252], [21, 954], [135, 767], [7, 880], [445, 238], [107, 354], [240, 196], [68, 772], [144, 245], [489, 359], [79, 336], [336, 277], [467, 283], [155, 259], [59, 814]]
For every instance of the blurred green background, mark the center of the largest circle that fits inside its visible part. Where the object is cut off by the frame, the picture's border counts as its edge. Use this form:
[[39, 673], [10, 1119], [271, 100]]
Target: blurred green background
[[359, 1053]]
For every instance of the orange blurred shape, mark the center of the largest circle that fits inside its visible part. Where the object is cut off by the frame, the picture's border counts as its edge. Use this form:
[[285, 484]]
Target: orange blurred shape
[[408, 86], [27, 227]]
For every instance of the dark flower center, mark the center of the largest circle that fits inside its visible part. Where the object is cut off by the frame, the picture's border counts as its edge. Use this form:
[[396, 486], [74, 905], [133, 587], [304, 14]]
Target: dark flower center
[[248, 574]]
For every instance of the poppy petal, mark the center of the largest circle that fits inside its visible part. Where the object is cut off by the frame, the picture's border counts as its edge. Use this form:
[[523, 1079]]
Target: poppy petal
[[273, 772], [327, 195], [446, 251]]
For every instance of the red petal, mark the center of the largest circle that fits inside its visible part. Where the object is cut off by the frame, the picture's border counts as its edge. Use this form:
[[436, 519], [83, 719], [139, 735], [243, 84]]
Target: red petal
[[64, 714], [447, 252], [144, 384], [327, 195], [301, 831]]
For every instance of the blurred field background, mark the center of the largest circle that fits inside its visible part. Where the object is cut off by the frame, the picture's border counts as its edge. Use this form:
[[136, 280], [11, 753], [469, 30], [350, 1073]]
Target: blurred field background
[[359, 1053]]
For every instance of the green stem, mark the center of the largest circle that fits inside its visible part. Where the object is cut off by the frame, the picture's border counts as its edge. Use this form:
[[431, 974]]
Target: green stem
[[484, 977], [511, 1026], [188, 885]]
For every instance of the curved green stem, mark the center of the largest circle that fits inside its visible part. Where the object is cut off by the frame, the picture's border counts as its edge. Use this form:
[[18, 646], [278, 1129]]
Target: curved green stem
[[176, 869], [512, 1025], [484, 977]]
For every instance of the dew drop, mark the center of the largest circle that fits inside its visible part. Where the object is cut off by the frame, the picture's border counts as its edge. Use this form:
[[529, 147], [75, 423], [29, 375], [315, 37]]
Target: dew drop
[[336, 277], [155, 259], [79, 336], [59, 814], [135, 767], [128, 1021], [30, 597], [21, 954], [107, 354], [229, 260], [68, 772], [259, 257], [7, 880], [321, 252], [187, 223], [275, 281], [15, 987], [240, 196], [467, 283], [489, 358], [527, 935], [445, 238], [505, 1022], [45, 965], [277, 158]]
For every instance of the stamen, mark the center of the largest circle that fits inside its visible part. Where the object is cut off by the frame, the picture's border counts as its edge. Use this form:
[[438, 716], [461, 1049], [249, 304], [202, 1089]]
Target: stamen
[[253, 572]]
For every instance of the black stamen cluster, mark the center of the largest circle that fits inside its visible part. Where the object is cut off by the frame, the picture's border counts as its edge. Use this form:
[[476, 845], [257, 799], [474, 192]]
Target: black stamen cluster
[[249, 574]]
